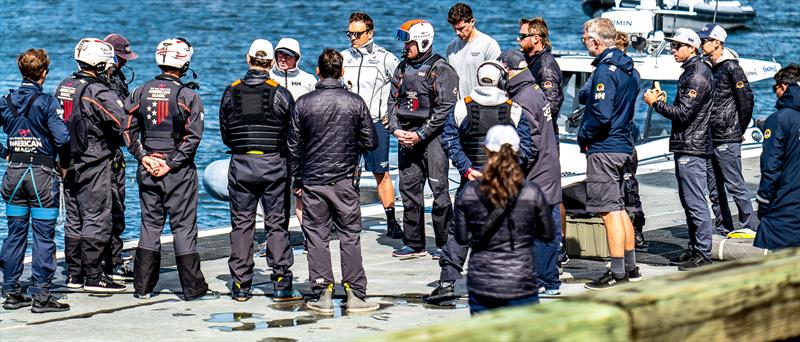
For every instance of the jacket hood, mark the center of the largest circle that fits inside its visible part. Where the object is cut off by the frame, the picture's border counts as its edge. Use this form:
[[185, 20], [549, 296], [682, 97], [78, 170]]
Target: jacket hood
[[488, 96], [790, 98], [519, 81], [292, 45], [615, 57], [727, 54]]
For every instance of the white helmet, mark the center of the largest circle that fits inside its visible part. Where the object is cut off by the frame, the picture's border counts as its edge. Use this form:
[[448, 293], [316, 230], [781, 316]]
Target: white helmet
[[174, 52], [417, 30], [94, 53]]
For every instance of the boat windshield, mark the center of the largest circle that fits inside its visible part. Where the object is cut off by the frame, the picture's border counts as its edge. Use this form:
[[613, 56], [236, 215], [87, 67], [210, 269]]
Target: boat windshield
[[648, 125]]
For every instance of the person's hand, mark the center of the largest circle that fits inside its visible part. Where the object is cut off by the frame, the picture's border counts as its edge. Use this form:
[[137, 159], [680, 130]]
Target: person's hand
[[385, 121], [150, 164], [298, 192], [651, 96], [402, 138], [61, 171], [162, 168], [413, 138], [474, 175]]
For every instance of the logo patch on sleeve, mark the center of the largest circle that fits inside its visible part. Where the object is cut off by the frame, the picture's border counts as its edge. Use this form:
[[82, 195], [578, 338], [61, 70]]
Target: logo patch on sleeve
[[740, 84], [547, 85], [767, 133], [600, 87], [692, 93]]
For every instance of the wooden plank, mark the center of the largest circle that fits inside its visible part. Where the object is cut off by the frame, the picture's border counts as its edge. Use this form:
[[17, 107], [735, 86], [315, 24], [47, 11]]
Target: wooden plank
[[753, 299], [557, 321]]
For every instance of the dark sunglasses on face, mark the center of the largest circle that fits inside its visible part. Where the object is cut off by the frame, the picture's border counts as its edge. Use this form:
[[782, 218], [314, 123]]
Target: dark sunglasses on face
[[355, 35], [522, 36], [676, 46]]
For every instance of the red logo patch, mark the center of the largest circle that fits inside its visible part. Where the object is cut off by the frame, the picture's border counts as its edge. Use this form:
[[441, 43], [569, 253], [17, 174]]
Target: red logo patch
[[24, 132]]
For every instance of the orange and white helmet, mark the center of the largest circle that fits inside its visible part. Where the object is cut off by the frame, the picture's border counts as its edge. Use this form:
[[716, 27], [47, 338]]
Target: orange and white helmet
[[94, 53], [417, 30], [174, 52]]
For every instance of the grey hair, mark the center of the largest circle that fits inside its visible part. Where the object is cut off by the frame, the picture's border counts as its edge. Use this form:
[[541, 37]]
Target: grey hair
[[601, 29]]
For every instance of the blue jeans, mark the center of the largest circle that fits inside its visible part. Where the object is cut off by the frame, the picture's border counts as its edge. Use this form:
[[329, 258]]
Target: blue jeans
[[691, 172], [478, 303], [546, 255]]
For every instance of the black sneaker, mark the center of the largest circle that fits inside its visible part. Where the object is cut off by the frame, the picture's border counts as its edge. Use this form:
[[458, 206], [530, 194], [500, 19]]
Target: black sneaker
[[240, 294], [122, 273], [687, 254], [638, 238], [74, 282], [634, 275], [103, 284], [408, 252], [442, 293], [696, 261], [605, 282], [50, 305], [393, 230], [16, 301]]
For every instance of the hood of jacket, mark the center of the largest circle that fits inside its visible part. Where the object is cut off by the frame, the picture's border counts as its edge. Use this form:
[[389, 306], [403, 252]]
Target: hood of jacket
[[488, 96], [790, 98], [292, 45], [615, 57], [519, 81]]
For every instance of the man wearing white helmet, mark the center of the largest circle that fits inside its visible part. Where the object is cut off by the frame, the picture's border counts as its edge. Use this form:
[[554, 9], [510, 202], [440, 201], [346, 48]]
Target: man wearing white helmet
[[463, 138], [368, 68], [163, 131], [254, 120], [94, 116], [424, 90], [286, 70], [690, 142]]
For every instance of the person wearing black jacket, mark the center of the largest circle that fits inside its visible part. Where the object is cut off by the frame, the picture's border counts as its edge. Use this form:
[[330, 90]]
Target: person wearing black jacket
[[534, 40], [543, 167], [499, 217], [254, 119], [690, 141], [116, 80], [424, 90], [731, 113], [331, 128], [779, 190]]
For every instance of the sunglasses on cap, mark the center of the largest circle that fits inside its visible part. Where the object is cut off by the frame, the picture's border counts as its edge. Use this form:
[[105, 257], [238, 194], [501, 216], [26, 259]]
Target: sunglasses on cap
[[355, 35]]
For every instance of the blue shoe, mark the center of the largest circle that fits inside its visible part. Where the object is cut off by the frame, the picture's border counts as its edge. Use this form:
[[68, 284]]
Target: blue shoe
[[240, 294], [408, 252], [549, 293], [437, 254]]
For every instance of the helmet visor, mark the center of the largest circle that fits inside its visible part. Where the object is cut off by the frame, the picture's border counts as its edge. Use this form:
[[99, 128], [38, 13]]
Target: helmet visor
[[402, 35]]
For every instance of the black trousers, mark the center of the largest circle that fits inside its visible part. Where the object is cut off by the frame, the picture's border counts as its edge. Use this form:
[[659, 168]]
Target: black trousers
[[424, 161], [174, 194], [325, 207], [254, 179], [89, 221], [113, 254]]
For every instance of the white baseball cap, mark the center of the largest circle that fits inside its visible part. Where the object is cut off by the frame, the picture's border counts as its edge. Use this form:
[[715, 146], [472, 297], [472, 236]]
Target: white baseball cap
[[261, 45], [499, 135], [712, 31], [489, 73], [686, 36]]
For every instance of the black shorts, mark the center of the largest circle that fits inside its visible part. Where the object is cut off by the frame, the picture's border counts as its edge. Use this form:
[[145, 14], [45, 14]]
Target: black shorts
[[605, 176], [377, 160]]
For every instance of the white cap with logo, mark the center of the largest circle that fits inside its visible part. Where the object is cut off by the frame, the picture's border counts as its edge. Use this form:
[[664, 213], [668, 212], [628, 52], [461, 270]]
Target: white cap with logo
[[712, 31], [686, 36], [261, 45], [500, 135]]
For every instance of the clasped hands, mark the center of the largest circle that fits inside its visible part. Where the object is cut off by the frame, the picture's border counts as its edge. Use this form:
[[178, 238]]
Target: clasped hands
[[407, 139], [155, 166]]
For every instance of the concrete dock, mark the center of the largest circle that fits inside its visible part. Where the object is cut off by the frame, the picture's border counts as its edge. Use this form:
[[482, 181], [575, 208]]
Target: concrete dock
[[397, 284]]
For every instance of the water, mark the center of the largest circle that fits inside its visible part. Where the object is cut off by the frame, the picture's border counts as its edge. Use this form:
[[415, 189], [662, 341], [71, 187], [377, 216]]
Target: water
[[221, 32]]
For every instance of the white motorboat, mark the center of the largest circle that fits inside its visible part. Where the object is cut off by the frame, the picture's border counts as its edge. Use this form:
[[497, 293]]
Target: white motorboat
[[688, 13]]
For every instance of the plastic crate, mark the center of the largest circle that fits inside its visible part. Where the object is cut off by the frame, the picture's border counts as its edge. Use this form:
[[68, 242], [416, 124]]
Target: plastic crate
[[586, 237]]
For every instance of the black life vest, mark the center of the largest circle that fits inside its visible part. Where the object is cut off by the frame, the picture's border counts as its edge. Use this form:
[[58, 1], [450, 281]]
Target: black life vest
[[80, 124], [162, 120], [481, 118], [416, 96], [253, 124]]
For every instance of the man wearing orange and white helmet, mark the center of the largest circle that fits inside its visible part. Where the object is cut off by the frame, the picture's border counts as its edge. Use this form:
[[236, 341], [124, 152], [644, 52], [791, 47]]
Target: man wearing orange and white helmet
[[424, 90], [163, 131], [93, 114]]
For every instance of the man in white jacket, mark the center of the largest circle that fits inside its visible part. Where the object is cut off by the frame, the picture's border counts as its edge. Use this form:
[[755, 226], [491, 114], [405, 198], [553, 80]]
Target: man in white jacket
[[286, 70], [368, 68]]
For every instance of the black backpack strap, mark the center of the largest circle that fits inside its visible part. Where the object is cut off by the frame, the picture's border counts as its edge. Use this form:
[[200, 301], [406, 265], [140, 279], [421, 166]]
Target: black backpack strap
[[25, 110]]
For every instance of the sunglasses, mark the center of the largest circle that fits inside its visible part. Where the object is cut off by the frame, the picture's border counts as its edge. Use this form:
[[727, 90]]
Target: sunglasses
[[676, 46], [355, 35], [522, 36]]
